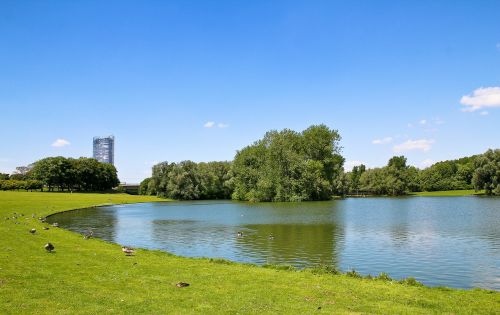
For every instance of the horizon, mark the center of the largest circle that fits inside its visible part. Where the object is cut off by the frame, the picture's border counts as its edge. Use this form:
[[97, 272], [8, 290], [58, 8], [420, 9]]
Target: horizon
[[198, 81]]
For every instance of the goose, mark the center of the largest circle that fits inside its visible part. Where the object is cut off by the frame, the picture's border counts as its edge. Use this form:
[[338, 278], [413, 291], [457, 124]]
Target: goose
[[49, 247], [88, 234], [128, 251]]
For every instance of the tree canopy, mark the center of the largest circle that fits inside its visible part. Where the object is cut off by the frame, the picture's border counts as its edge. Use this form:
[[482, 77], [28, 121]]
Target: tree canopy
[[83, 174]]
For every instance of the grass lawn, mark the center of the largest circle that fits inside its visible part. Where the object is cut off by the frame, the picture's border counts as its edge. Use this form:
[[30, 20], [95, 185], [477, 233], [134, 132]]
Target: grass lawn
[[448, 193], [95, 277]]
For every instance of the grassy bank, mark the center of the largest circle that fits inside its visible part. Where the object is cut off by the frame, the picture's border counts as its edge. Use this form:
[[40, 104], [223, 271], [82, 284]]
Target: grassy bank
[[448, 193], [92, 276]]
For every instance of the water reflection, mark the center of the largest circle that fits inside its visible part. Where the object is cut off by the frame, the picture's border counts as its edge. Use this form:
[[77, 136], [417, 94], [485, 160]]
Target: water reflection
[[270, 243], [440, 241]]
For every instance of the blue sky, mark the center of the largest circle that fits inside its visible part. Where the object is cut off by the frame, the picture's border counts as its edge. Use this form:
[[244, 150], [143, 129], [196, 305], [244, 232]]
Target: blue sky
[[418, 78]]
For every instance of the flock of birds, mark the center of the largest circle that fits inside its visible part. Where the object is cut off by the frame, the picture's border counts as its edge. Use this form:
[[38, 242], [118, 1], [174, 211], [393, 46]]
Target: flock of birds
[[50, 248], [129, 251]]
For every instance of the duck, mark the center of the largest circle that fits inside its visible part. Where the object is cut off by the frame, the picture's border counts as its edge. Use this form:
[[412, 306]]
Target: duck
[[49, 247], [88, 234], [128, 251]]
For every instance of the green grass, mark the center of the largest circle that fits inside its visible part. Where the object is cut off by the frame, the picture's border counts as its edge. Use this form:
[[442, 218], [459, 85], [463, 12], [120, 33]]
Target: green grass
[[448, 193], [95, 277]]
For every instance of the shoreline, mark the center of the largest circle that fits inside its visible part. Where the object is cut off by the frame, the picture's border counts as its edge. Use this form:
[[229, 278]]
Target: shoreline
[[30, 277]]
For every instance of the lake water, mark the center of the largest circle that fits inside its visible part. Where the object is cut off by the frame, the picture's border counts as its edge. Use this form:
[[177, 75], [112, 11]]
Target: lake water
[[441, 241]]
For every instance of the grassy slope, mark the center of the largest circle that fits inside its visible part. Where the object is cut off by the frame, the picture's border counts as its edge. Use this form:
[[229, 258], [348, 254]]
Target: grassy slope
[[447, 193], [92, 276]]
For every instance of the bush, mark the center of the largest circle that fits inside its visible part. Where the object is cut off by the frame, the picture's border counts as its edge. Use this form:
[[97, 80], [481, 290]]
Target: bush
[[383, 276], [324, 269]]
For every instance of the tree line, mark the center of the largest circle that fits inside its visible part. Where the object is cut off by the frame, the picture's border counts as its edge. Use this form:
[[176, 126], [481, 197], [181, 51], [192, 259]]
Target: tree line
[[297, 166], [188, 180], [63, 174], [479, 172], [283, 166]]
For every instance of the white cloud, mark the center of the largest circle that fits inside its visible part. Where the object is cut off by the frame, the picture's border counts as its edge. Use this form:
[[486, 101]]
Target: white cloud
[[423, 122], [426, 163], [483, 113], [488, 97], [383, 140], [209, 124], [421, 144], [221, 125], [60, 143], [350, 164]]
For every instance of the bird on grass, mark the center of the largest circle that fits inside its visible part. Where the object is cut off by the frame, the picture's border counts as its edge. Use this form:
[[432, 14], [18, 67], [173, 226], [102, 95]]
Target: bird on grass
[[182, 284], [88, 234], [55, 224], [240, 234], [49, 247], [33, 231], [45, 228], [128, 251]]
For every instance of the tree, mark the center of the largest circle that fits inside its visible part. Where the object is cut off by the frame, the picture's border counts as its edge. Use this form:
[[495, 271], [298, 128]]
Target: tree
[[487, 173], [354, 177], [75, 174], [289, 166], [143, 186]]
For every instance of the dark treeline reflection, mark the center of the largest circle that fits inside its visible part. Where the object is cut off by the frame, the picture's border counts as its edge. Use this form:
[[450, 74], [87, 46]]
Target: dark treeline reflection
[[311, 243]]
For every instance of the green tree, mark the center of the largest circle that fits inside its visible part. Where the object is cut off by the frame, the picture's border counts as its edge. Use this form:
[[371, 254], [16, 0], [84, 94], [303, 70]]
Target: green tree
[[289, 166], [355, 176], [487, 172]]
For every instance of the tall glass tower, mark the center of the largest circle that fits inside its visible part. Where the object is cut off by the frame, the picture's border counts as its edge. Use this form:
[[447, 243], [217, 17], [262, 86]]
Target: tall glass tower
[[104, 149]]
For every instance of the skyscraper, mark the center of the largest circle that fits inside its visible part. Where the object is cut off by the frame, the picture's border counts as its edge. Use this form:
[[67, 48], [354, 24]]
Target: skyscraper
[[104, 149]]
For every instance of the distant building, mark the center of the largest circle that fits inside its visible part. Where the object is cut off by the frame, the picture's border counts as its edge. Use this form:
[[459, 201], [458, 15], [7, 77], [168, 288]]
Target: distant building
[[104, 149]]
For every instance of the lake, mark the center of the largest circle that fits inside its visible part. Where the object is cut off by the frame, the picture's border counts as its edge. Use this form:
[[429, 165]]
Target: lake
[[441, 241]]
